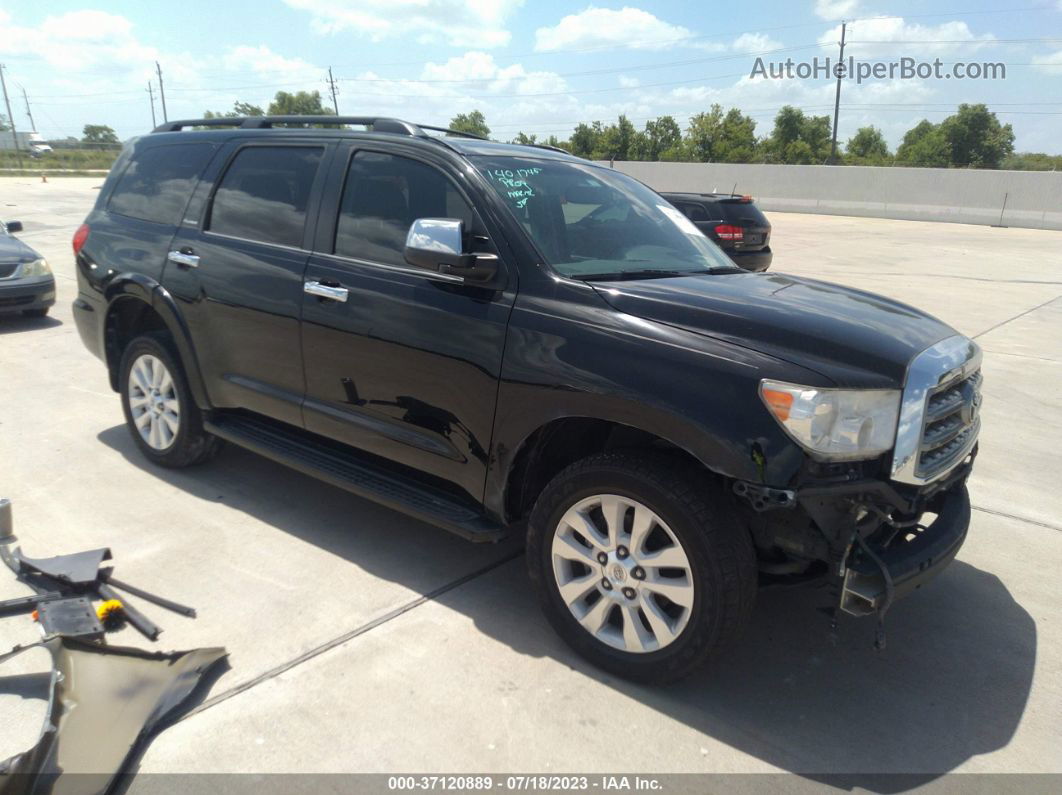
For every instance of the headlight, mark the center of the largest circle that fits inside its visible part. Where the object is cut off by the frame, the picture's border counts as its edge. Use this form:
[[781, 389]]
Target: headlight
[[835, 424], [39, 267]]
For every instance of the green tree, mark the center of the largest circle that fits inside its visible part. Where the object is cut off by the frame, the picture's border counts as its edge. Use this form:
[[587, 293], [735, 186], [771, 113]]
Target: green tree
[[702, 134], [473, 122], [4, 126], [523, 138], [976, 138], [301, 103], [1032, 161], [585, 139], [924, 145], [238, 109], [721, 138], [799, 139], [615, 141], [867, 148], [98, 134]]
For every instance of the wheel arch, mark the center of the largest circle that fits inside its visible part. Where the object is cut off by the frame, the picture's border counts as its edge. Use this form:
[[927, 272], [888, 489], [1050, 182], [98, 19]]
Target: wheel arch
[[137, 304], [559, 442]]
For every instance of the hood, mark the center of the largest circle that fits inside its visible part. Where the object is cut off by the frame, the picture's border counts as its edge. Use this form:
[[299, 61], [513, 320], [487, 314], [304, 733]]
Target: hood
[[14, 250], [853, 337]]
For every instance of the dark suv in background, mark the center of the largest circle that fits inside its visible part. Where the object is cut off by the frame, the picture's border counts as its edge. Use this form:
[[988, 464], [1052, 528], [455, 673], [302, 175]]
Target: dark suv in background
[[488, 336], [732, 222]]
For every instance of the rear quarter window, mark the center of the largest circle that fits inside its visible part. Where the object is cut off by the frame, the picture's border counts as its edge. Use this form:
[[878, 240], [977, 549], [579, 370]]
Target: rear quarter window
[[158, 181]]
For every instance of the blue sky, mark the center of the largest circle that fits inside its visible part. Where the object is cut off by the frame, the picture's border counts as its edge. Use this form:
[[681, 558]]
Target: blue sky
[[539, 66]]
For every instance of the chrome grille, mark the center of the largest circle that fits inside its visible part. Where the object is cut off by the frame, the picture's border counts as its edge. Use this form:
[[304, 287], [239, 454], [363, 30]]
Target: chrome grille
[[951, 425], [939, 422]]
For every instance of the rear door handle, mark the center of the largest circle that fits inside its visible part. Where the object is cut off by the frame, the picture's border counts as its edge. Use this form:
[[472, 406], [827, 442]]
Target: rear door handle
[[184, 257], [325, 291]]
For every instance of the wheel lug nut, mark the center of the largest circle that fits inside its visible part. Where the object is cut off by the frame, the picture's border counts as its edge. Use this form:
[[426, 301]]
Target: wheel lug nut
[[621, 552], [638, 573], [602, 558], [606, 585], [629, 593]]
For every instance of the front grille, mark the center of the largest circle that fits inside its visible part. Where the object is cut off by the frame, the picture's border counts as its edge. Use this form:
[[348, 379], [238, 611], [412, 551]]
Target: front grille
[[22, 299], [951, 425], [7, 271]]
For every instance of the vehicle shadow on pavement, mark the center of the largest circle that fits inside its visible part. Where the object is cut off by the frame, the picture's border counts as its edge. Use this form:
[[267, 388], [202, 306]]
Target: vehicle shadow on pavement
[[952, 683], [15, 323]]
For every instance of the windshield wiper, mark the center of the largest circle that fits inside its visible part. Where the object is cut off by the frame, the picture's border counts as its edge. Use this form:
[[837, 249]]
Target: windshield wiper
[[645, 273]]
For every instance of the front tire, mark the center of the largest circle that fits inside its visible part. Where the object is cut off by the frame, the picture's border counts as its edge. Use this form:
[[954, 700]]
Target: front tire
[[42, 312], [639, 565], [160, 413]]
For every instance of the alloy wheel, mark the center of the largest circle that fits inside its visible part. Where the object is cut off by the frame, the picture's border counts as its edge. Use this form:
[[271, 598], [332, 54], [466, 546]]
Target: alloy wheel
[[623, 573], [153, 402]]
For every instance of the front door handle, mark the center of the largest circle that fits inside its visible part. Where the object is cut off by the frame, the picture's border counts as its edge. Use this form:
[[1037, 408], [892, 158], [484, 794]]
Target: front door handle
[[325, 291], [184, 257]]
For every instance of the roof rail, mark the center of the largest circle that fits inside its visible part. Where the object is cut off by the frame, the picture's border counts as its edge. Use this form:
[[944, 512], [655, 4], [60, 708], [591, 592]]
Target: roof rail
[[374, 123]]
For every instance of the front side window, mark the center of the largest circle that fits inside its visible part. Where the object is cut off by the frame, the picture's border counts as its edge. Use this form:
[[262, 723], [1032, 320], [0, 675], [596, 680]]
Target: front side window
[[383, 196], [158, 181], [264, 194], [592, 222]]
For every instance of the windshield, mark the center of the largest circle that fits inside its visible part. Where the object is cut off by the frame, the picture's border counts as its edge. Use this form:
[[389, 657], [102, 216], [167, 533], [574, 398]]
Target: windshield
[[590, 221]]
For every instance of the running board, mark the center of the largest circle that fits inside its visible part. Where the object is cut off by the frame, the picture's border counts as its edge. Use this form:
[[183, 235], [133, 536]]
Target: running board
[[299, 450]]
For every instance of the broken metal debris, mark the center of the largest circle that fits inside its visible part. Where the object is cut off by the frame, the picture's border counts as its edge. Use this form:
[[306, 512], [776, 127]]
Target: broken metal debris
[[104, 701]]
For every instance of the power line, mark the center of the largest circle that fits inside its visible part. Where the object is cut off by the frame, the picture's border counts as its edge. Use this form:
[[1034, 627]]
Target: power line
[[837, 98], [151, 95], [332, 88], [33, 124]]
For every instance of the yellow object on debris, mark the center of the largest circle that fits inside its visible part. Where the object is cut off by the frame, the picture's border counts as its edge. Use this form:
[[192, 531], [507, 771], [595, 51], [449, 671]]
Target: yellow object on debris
[[110, 611]]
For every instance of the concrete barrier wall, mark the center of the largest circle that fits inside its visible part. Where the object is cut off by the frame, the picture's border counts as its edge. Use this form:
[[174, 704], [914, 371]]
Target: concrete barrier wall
[[1033, 198]]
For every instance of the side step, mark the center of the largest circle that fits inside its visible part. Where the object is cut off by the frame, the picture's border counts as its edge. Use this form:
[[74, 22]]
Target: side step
[[302, 451]]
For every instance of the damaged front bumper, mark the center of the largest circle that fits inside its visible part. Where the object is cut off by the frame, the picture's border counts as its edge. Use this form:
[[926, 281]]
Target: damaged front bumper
[[907, 563]]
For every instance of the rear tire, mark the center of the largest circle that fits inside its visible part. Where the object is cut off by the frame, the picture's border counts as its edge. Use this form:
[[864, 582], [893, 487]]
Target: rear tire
[[654, 600], [160, 413]]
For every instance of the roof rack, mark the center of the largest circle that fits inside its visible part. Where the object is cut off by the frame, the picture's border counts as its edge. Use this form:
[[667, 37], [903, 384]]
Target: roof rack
[[374, 123]]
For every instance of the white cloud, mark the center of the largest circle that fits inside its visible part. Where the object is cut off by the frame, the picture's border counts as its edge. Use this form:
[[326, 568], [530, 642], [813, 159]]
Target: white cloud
[[755, 42], [264, 62], [629, 82], [1052, 63], [606, 27], [477, 71], [910, 38], [460, 23], [835, 9], [77, 40]]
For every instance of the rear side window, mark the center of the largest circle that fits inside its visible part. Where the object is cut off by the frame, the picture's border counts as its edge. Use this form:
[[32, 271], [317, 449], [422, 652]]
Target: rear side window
[[158, 181], [264, 194], [383, 196], [694, 212]]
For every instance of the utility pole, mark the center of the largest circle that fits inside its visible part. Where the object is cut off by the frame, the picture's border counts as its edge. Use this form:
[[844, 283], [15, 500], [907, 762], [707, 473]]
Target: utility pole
[[837, 99], [151, 94], [332, 87], [10, 117], [162, 92], [33, 124]]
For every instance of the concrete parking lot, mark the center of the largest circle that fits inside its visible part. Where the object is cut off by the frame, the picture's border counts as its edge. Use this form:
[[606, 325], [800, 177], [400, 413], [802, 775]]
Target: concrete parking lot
[[361, 640]]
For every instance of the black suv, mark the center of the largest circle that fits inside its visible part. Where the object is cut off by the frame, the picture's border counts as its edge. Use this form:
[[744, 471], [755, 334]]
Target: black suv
[[488, 337], [733, 222]]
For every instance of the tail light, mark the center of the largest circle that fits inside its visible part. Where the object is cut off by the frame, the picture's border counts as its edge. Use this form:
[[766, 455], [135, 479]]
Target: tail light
[[730, 232], [80, 236]]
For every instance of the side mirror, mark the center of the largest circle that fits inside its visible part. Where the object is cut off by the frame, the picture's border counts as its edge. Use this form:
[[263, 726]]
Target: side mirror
[[14, 226], [436, 244]]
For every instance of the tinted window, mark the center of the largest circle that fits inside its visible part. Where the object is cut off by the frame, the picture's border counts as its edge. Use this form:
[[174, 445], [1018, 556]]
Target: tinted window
[[264, 194], [694, 212], [157, 183], [383, 196], [743, 213]]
